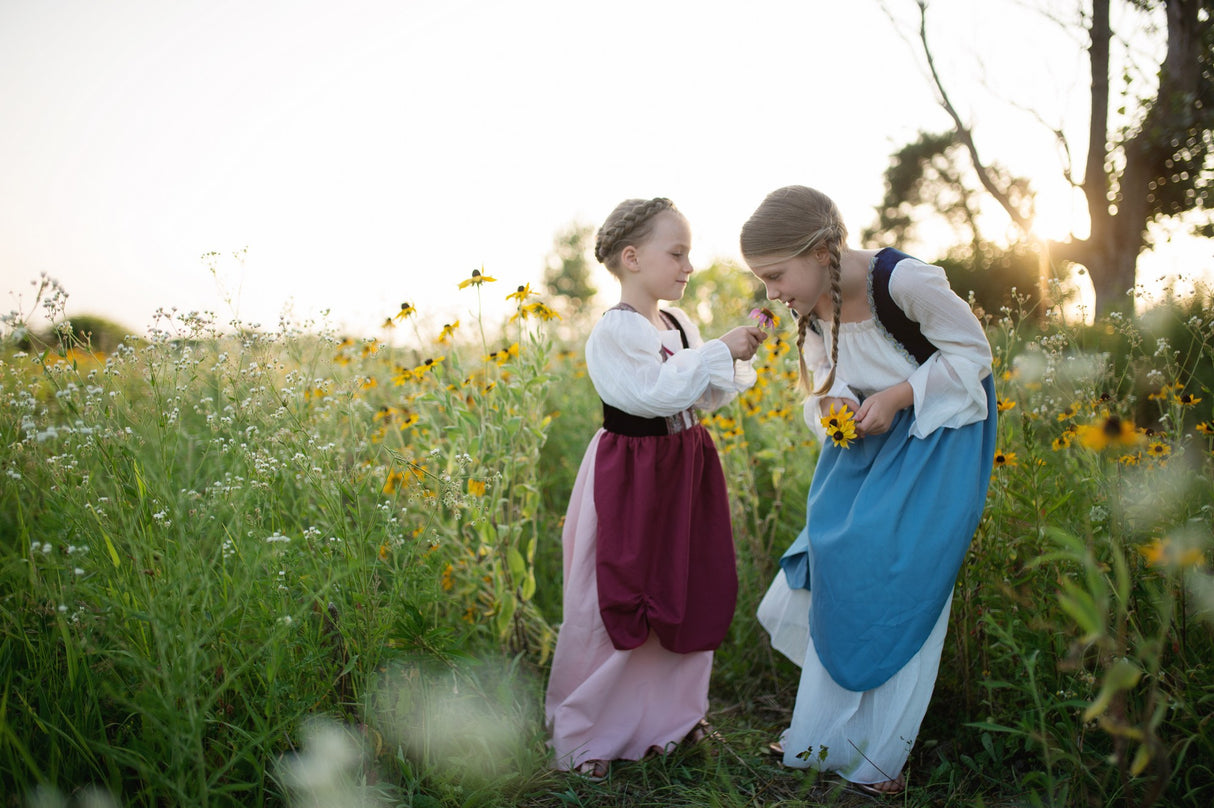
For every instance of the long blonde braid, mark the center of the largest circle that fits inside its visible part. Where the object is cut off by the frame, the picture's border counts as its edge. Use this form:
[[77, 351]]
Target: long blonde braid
[[834, 245]]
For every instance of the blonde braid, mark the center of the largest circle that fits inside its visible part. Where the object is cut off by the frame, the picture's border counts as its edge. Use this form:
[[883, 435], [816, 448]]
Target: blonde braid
[[836, 301], [626, 225], [802, 329]]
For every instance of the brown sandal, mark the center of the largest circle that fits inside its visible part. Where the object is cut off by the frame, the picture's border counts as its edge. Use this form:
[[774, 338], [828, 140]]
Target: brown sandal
[[701, 732], [593, 770]]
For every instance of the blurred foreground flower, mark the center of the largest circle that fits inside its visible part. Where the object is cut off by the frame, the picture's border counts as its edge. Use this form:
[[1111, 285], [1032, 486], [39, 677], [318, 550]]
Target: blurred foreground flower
[[1169, 553], [840, 425], [1111, 432]]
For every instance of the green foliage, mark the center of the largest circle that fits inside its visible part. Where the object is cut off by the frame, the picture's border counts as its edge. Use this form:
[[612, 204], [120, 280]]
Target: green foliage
[[278, 568], [567, 272]]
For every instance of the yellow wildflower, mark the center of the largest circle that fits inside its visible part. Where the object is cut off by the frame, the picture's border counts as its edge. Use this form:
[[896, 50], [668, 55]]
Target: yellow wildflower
[[1003, 404], [476, 279], [476, 488], [1005, 460], [1205, 428], [393, 482], [406, 310], [1112, 431], [1167, 553], [840, 425], [521, 294], [1070, 412], [447, 332], [1188, 399]]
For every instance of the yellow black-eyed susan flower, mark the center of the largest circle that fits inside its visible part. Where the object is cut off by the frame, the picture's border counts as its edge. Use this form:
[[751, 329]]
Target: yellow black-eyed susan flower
[[1005, 460], [476, 279], [393, 482], [406, 310], [476, 488], [521, 294], [1070, 411], [448, 330], [1112, 431], [1158, 450], [1004, 404], [1188, 399], [1205, 428], [840, 425]]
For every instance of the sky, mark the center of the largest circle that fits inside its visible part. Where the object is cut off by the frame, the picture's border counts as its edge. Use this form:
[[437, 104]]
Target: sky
[[337, 159]]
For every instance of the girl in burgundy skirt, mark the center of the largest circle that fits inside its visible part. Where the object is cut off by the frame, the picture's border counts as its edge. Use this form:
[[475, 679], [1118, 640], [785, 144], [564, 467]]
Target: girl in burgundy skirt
[[650, 580]]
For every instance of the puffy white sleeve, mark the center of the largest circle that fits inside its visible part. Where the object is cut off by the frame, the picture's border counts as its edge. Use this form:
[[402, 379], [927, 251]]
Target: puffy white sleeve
[[948, 386], [624, 360], [817, 361]]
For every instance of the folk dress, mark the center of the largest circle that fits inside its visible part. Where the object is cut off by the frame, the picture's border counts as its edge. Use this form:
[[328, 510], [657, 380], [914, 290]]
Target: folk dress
[[650, 581], [862, 600]]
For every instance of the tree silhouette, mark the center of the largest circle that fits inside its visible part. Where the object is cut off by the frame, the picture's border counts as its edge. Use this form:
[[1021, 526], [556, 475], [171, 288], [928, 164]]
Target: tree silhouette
[[1160, 166]]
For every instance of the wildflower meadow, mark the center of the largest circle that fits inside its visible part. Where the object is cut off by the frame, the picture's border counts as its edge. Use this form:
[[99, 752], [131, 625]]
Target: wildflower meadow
[[291, 566]]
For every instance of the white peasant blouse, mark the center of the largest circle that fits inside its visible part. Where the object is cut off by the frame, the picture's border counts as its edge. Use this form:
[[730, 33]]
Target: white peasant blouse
[[624, 360], [947, 387]]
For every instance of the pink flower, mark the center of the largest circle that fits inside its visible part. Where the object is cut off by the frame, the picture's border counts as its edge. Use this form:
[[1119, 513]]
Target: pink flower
[[765, 316]]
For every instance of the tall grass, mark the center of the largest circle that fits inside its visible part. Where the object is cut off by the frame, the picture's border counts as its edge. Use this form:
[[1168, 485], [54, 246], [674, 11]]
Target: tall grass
[[246, 566]]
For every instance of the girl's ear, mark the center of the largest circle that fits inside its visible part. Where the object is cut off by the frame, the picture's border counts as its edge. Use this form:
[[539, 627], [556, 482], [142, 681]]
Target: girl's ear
[[628, 258]]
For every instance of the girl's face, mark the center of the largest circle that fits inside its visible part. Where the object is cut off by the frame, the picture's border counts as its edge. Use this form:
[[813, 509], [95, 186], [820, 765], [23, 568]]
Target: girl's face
[[799, 282], [661, 262]]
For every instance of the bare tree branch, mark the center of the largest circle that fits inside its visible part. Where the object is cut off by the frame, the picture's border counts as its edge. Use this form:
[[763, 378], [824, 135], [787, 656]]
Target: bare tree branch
[[965, 133]]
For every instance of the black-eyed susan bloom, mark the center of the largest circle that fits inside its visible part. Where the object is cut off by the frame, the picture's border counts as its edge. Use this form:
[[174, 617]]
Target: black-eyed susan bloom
[[445, 335], [840, 425], [1113, 431], [406, 310], [1205, 428], [1004, 404], [393, 482], [521, 294], [1188, 399], [476, 488], [537, 310], [1158, 450], [1005, 460], [477, 278], [1070, 411]]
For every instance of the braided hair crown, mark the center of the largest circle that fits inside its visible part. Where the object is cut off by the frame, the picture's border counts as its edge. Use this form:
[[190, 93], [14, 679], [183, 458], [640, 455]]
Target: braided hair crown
[[630, 223]]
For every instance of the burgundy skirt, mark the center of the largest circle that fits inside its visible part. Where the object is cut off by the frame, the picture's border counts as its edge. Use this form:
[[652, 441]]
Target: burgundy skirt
[[665, 558]]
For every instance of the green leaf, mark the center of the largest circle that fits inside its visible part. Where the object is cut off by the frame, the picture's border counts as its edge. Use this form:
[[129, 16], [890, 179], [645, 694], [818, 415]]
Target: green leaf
[[1122, 676], [514, 559]]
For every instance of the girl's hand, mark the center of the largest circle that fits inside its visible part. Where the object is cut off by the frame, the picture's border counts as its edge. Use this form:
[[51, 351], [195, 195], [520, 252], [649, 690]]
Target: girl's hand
[[877, 412], [826, 402], [743, 341]]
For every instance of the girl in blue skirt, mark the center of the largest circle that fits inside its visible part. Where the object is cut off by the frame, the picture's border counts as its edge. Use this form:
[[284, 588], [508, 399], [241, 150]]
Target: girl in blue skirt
[[862, 599]]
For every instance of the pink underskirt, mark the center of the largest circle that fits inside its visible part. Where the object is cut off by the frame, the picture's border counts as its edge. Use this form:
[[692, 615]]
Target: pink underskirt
[[604, 703]]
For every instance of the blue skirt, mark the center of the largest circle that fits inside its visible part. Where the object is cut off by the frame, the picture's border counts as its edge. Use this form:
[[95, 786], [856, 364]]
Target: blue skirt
[[889, 521]]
